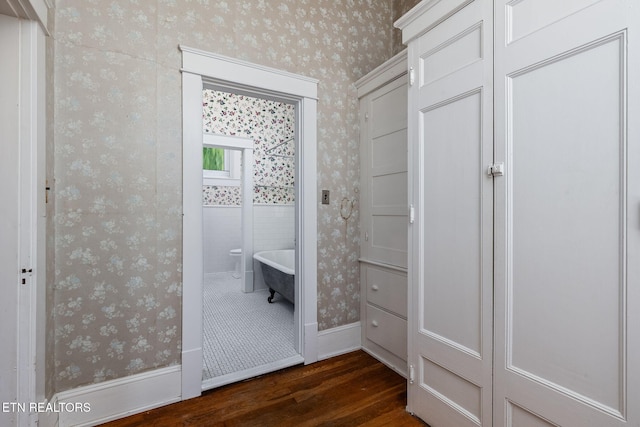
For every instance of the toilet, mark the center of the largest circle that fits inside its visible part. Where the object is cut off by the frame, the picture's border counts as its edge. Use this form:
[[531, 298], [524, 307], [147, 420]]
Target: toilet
[[235, 255]]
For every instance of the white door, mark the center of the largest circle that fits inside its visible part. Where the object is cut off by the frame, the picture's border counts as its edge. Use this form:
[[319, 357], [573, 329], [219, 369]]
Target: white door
[[383, 224], [9, 212], [22, 224], [567, 305], [450, 305]]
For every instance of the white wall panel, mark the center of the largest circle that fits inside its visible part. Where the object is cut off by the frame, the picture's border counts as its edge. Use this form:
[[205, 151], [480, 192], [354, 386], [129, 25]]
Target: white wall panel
[[453, 210], [568, 232]]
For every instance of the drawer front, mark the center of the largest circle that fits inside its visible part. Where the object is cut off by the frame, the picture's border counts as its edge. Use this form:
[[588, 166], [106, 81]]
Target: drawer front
[[387, 331], [387, 289]]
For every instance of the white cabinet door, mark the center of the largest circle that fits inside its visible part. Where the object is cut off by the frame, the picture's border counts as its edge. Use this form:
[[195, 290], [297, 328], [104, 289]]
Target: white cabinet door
[[384, 169], [451, 134], [567, 287]]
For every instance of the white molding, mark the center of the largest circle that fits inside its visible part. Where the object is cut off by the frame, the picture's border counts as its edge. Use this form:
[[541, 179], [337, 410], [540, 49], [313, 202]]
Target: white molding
[[340, 340], [192, 239], [115, 399], [247, 74], [390, 70], [227, 141], [34, 10], [426, 15]]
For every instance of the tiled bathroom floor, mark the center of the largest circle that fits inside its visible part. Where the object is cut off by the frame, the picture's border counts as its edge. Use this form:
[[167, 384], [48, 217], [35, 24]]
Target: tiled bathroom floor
[[242, 330]]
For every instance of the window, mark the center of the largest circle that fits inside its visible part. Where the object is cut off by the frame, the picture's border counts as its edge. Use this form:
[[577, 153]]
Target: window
[[220, 166], [213, 159]]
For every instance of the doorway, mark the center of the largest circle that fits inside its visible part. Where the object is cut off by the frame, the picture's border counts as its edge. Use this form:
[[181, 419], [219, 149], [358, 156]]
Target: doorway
[[248, 208], [203, 68]]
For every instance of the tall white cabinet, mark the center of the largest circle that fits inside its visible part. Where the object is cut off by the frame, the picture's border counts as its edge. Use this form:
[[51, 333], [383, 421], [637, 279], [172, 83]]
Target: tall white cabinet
[[383, 212], [523, 272]]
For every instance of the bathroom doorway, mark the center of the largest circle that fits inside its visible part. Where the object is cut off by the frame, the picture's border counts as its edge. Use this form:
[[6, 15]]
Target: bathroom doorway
[[234, 76], [248, 207]]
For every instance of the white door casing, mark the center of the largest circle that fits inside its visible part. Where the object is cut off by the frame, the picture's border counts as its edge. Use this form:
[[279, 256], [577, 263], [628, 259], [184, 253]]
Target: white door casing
[[450, 266], [567, 276], [199, 67], [22, 217]]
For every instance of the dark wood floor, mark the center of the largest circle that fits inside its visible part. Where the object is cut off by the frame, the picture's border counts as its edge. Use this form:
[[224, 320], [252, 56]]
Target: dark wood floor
[[349, 390]]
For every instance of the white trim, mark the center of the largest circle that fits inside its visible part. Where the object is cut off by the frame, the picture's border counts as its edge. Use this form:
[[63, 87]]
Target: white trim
[[221, 182], [32, 313], [253, 79], [116, 399], [226, 141], [336, 341], [34, 10], [417, 22], [247, 74], [192, 262], [387, 72]]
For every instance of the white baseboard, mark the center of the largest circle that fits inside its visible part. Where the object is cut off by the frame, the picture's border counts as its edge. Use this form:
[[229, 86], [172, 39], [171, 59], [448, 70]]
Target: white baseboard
[[340, 340], [115, 399]]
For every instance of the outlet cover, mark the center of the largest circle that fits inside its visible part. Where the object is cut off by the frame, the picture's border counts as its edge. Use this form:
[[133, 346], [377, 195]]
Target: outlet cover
[[325, 197]]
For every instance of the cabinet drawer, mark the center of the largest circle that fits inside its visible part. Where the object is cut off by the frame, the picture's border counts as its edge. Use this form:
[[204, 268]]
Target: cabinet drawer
[[387, 289], [387, 330]]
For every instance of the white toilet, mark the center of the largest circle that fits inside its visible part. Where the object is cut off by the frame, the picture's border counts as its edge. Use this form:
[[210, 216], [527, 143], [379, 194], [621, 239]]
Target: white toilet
[[235, 255]]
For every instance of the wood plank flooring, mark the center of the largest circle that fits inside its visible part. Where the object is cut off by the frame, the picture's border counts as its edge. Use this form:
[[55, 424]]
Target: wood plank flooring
[[349, 390]]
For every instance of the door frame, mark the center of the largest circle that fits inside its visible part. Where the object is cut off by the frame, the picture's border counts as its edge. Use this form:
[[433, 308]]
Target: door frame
[[27, 133], [200, 67]]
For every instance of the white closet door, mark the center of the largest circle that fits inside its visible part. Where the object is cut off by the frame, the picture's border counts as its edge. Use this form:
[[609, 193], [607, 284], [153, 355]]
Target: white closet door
[[567, 306], [450, 330], [384, 192]]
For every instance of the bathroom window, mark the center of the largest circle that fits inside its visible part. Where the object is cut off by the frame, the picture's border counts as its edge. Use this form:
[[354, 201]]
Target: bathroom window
[[220, 166], [213, 159]]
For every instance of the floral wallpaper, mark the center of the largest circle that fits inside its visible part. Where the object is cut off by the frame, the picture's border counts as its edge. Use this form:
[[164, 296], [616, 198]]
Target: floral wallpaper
[[271, 125], [117, 128], [400, 7]]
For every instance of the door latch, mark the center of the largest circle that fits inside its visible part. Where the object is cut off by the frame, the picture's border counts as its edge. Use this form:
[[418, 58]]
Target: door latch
[[495, 169], [25, 271]]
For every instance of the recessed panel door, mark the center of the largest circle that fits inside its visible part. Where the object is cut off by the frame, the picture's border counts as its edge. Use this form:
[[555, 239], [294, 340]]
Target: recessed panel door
[[567, 213], [450, 319], [384, 192]]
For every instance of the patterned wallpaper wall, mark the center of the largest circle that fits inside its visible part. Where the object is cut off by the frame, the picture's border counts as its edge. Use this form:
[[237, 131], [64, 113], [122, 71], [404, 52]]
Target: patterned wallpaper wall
[[271, 125], [116, 293], [400, 7]]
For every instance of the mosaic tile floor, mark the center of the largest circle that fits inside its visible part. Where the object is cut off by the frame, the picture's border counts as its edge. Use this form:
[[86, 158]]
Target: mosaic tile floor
[[242, 330]]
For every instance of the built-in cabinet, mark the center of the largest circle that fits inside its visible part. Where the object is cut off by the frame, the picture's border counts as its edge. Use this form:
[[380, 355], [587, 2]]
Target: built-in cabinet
[[524, 176], [383, 212]]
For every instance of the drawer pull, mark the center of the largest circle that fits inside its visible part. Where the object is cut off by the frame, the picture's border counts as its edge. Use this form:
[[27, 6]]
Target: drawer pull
[[374, 323], [374, 287]]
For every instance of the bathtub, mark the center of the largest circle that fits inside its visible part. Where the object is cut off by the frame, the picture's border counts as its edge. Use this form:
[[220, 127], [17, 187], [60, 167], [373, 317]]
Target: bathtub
[[278, 269]]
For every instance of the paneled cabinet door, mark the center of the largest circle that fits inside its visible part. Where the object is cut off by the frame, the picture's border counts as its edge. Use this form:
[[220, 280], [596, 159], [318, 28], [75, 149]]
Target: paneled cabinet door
[[450, 302], [567, 299], [384, 174]]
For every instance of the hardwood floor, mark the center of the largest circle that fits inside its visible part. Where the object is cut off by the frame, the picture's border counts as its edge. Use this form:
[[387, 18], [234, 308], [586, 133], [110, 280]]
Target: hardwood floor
[[349, 390]]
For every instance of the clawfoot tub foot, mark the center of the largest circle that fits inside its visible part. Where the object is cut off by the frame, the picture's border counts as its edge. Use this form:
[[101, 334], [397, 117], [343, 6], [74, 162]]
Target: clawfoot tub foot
[[272, 292]]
